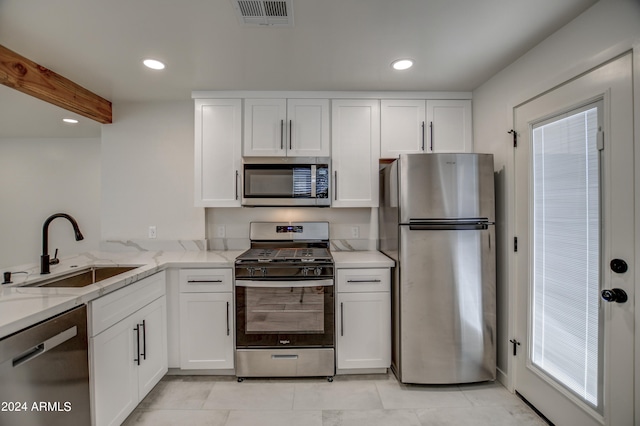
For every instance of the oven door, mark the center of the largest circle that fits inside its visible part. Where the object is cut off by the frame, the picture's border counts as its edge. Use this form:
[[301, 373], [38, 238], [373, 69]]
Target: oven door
[[277, 314]]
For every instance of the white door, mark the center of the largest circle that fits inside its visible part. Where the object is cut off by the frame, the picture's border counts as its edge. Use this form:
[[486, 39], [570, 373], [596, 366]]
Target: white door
[[265, 127], [574, 195], [206, 331], [449, 126], [402, 127], [308, 121], [355, 152], [152, 320], [363, 330], [218, 154], [115, 374]]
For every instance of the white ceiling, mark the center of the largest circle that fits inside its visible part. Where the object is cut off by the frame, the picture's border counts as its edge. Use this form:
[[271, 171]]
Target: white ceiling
[[333, 45]]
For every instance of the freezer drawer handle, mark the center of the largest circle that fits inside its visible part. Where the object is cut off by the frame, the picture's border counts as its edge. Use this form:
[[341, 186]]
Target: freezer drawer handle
[[45, 346], [364, 281]]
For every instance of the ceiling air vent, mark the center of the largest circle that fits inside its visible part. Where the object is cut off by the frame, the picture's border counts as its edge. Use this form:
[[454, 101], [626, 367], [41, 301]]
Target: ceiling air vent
[[252, 13]]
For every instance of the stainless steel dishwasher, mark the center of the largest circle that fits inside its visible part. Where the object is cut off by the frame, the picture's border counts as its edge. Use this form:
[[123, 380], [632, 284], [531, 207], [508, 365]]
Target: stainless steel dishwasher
[[44, 373]]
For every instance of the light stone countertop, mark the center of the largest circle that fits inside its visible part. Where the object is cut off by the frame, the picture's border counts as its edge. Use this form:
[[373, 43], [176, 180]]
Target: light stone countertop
[[361, 259], [21, 307]]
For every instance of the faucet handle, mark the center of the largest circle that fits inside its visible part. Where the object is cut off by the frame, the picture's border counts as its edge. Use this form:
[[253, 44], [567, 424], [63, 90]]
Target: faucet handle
[[55, 259]]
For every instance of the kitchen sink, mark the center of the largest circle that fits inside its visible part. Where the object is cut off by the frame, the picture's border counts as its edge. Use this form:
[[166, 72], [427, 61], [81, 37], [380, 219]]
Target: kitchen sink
[[83, 277]]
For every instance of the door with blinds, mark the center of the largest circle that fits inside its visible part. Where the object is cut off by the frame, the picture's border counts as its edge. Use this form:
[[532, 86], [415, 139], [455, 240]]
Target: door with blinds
[[574, 190]]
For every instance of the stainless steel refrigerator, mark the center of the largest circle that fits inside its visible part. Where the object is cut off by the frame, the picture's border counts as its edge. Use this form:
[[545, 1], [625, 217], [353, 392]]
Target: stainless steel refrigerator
[[437, 223]]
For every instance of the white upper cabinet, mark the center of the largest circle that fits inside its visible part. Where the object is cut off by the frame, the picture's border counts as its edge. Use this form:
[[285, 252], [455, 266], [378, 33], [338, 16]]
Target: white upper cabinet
[[402, 127], [449, 126], [218, 155], [414, 126], [286, 127], [355, 148]]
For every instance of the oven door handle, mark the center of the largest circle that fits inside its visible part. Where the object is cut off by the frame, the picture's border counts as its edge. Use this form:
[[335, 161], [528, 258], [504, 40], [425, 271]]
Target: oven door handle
[[284, 284]]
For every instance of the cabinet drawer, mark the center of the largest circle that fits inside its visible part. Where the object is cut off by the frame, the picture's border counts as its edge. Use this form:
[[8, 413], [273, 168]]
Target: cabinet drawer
[[206, 280], [110, 309], [361, 280]]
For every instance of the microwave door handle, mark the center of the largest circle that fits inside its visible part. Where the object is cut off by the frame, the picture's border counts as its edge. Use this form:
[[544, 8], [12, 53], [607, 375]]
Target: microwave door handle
[[313, 181]]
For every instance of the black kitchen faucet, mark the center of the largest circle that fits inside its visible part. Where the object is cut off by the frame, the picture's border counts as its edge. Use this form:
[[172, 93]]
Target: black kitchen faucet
[[44, 259]]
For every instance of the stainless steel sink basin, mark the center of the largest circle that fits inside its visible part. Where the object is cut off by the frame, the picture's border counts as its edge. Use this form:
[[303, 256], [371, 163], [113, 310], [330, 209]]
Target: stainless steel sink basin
[[83, 277]]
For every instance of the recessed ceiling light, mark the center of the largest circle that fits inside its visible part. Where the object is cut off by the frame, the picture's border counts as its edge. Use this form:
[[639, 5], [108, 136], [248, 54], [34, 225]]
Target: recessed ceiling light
[[70, 120], [402, 64], [153, 64]]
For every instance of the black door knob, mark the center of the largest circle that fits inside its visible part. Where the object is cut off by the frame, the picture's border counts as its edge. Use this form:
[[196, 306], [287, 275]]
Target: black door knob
[[619, 266], [617, 295]]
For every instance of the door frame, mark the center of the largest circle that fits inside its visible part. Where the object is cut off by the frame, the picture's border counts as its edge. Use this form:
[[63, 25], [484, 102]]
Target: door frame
[[507, 377]]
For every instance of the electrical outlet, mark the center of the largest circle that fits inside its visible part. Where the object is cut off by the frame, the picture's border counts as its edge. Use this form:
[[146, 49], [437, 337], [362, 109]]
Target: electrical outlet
[[221, 231], [355, 232], [152, 231]]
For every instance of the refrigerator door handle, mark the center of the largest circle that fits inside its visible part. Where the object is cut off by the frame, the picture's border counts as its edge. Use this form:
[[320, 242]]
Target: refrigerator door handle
[[450, 226]]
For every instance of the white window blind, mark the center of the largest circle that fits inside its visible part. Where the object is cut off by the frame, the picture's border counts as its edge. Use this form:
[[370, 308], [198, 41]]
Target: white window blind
[[566, 251]]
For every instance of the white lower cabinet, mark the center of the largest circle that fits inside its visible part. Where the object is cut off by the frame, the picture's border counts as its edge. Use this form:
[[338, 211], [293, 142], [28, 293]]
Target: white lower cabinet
[[363, 320], [129, 347], [206, 319]]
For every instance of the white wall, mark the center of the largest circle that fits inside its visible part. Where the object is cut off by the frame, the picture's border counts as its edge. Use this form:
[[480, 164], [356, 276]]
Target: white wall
[[147, 173], [41, 177], [606, 30], [341, 223]]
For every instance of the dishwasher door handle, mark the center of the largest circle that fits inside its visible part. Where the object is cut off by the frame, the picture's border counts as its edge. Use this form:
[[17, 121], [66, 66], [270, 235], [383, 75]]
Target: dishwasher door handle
[[45, 346]]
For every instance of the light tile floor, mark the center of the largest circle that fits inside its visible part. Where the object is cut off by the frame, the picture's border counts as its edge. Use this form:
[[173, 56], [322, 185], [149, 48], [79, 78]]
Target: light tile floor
[[372, 400]]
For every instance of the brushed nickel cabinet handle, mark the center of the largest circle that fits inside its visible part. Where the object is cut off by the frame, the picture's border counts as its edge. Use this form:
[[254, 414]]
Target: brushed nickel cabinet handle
[[431, 132], [281, 134], [228, 319], [237, 178], [290, 134]]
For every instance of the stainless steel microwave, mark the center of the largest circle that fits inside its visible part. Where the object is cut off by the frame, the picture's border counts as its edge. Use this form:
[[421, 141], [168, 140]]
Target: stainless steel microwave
[[297, 181]]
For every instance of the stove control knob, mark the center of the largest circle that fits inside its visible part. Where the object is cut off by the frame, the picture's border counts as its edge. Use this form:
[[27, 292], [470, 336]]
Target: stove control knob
[[305, 271], [317, 271], [264, 271], [251, 271]]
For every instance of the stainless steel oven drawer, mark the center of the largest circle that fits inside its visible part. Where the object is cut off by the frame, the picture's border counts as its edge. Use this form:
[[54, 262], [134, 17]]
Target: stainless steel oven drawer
[[308, 362]]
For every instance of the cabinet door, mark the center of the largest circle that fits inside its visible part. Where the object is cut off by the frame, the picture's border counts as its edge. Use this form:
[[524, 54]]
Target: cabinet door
[[152, 321], [355, 149], [449, 126], [115, 379], [402, 124], [308, 127], [206, 331], [218, 155], [364, 330], [265, 127]]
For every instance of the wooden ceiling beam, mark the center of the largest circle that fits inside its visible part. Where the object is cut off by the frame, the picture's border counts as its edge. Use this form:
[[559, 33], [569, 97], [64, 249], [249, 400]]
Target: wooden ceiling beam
[[24, 75]]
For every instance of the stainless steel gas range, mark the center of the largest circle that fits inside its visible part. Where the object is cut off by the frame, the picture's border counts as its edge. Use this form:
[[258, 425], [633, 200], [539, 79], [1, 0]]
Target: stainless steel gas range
[[285, 302]]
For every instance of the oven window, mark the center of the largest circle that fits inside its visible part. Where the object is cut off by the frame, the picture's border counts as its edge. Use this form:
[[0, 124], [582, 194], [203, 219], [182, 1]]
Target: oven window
[[291, 310], [277, 182]]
